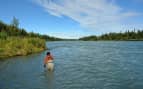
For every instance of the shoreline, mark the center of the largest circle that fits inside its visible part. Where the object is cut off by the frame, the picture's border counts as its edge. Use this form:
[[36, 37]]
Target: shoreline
[[6, 57]]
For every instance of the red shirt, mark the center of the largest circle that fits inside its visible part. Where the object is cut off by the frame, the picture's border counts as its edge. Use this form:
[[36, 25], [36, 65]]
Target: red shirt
[[48, 58]]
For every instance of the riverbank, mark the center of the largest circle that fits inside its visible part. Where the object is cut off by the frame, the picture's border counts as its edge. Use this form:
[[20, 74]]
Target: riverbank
[[15, 41], [134, 35], [17, 46]]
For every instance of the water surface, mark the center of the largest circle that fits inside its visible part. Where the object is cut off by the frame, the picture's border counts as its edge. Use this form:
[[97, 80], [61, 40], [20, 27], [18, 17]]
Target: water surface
[[78, 65]]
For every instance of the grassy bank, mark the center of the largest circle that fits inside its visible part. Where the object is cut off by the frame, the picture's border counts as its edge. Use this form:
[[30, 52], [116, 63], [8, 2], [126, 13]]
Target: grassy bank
[[15, 41], [17, 46]]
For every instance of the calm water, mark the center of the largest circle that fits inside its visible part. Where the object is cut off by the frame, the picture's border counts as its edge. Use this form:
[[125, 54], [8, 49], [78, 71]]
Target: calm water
[[78, 65]]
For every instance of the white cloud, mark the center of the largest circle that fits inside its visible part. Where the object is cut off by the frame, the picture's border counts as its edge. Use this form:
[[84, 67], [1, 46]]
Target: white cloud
[[91, 14]]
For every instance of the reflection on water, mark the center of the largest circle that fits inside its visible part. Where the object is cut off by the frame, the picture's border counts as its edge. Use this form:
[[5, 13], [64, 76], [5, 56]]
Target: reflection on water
[[49, 76], [78, 65]]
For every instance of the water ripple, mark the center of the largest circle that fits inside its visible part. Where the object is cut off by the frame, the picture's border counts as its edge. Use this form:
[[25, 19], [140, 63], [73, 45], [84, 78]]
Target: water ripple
[[78, 65]]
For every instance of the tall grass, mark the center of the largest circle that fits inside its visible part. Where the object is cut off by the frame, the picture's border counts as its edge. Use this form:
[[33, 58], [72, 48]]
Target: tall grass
[[15, 46]]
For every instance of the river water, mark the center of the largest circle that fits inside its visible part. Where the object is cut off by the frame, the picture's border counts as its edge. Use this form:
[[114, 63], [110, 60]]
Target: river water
[[78, 65]]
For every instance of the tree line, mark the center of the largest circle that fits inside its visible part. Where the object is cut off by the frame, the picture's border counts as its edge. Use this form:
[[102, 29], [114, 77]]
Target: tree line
[[15, 41], [10, 30], [128, 35]]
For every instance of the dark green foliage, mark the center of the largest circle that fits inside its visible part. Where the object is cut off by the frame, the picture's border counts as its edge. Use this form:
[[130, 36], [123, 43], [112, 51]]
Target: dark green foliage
[[13, 30], [90, 38], [128, 35], [23, 33], [15, 41]]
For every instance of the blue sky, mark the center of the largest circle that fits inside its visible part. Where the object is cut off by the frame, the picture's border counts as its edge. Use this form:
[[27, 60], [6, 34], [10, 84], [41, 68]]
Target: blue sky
[[74, 18]]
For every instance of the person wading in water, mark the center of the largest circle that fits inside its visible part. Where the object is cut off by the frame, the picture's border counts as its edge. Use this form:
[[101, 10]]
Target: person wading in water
[[48, 62]]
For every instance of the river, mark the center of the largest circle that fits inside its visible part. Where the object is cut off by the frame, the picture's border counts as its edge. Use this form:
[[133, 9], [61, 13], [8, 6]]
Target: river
[[78, 65]]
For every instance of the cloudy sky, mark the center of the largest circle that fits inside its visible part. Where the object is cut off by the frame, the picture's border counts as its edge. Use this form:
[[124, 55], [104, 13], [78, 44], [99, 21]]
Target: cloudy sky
[[74, 18]]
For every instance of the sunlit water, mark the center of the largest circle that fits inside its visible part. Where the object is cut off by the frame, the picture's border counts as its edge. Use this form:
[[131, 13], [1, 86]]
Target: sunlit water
[[78, 65]]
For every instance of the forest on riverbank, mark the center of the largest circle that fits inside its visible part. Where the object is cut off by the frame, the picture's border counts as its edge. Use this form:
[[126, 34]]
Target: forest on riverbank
[[134, 35], [15, 41]]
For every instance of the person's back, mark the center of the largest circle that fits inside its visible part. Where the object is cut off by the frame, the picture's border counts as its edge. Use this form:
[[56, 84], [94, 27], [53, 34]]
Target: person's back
[[48, 61], [48, 58]]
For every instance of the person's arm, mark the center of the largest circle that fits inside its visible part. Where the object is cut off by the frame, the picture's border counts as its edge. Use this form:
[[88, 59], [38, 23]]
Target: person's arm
[[52, 57], [45, 61]]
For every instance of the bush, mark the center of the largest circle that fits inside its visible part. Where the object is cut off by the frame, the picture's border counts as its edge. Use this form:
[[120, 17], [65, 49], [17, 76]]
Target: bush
[[14, 46], [3, 35]]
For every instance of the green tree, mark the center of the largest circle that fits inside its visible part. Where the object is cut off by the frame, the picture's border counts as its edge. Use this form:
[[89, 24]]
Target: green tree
[[15, 22]]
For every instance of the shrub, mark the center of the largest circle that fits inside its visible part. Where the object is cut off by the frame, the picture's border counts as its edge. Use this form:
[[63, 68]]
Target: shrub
[[14, 46]]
